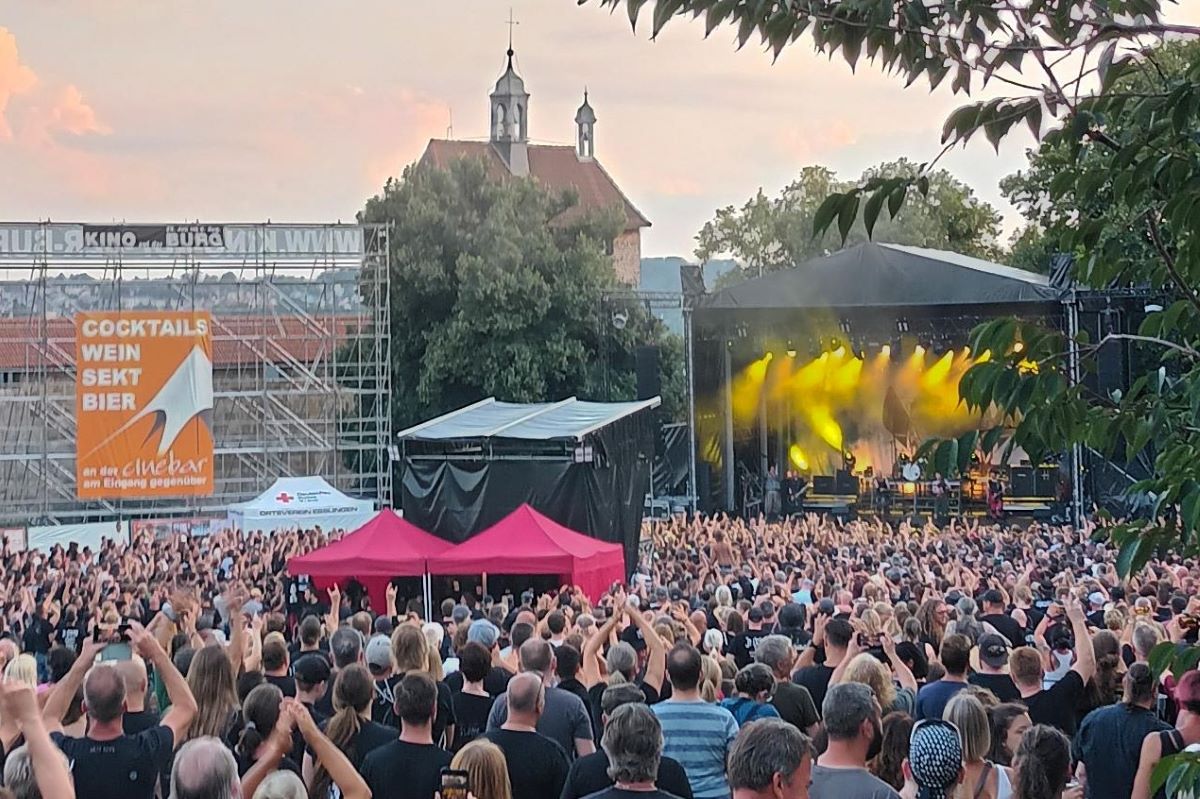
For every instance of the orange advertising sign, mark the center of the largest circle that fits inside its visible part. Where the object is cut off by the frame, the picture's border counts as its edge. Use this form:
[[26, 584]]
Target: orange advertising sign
[[143, 404]]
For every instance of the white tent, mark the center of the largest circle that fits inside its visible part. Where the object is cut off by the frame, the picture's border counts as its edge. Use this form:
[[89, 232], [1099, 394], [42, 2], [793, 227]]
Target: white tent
[[300, 502]]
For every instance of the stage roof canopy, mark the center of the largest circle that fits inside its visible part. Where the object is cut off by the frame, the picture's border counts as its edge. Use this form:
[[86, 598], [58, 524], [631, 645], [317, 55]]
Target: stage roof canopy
[[887, 275], [570, 419]]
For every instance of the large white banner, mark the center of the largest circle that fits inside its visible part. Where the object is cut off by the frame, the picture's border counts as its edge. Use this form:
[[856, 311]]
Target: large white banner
[[220, 239]]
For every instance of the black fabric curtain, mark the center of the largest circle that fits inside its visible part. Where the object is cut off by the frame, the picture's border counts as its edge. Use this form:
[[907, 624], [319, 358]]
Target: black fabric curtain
[[605, 499]]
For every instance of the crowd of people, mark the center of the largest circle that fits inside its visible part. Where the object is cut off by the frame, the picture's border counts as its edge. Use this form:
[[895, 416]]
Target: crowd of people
[[742, 660]]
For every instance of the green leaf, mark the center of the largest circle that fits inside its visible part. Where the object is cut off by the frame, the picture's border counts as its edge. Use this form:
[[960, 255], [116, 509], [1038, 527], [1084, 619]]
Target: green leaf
[[966, 448], [847, 214], [1126, 556], [871, 210], [826, 213]]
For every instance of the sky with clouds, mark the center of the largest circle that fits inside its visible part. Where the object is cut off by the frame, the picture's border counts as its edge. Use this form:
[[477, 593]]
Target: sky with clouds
[[298, 110]]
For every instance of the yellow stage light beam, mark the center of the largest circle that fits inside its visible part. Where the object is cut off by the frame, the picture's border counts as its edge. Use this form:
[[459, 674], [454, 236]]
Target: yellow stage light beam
[[937, 374], [798, 458]]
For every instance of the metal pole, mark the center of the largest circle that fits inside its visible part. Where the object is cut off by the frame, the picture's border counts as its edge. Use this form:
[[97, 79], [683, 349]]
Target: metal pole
[[728, 442], [691, 378], [1076, 456]]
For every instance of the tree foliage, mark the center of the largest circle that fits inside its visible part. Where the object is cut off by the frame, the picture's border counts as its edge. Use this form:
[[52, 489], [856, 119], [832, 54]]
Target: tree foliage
[[494, 291], [767, 234], [1086, 78]]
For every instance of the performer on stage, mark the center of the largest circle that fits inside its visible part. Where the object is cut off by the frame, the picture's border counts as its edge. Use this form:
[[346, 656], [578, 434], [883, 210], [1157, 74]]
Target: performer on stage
[[941, 498], [772, 498], [794, 488], [995, 495], [882, 494]]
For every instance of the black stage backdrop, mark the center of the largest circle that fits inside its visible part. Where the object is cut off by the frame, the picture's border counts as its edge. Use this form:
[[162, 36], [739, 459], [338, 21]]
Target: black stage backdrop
[[605, 499]]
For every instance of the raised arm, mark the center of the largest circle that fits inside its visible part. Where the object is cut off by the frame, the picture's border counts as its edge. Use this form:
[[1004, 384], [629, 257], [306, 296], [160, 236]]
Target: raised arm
[[340, 769], [1085, 655], [656, 651], [65, 689], [49, 767], [183, 704], [590, 672], [235, 600]]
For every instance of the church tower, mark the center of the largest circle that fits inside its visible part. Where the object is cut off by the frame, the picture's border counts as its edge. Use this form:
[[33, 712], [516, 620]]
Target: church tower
[[510, 120], [585, 130]]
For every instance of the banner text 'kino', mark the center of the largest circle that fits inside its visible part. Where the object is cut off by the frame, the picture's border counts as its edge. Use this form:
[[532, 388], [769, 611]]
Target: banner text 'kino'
[[143, 404]]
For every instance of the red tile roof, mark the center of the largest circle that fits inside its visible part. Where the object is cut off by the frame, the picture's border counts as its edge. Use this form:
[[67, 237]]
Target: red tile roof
[[237, 340], [554, 166]]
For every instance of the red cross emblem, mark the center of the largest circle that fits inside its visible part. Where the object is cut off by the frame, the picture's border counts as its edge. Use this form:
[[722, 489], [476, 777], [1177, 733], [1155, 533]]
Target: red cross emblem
[[284, 497]]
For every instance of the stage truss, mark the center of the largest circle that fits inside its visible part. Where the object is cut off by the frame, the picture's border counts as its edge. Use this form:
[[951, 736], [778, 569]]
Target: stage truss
[[301, 372]]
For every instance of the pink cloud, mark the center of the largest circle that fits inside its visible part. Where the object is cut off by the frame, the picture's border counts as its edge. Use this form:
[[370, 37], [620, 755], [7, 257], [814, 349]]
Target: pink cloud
[[15, 77]]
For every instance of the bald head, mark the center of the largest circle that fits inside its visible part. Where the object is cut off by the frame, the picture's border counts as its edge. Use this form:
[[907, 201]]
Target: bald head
[[104, 693], [526, 617], [536, 655], [204, 769], [526, 696], [133, 671]]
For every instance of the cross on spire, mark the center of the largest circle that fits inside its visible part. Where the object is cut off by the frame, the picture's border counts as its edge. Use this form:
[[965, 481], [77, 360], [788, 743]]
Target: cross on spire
[[511, 24]]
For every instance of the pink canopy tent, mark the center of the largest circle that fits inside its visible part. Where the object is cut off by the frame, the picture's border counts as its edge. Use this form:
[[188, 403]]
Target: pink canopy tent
[[383, 548], [526, 542]]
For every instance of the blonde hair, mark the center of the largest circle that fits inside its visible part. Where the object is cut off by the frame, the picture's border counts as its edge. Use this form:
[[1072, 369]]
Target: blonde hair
[[870, 620], [410, 650], [22, 668], [968, 714], [434, 634], [866, 669], [710, 679], [486, 767]]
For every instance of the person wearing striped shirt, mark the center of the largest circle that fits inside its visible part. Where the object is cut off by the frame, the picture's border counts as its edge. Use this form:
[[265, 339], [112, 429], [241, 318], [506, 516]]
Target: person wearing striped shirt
[[696, 733]]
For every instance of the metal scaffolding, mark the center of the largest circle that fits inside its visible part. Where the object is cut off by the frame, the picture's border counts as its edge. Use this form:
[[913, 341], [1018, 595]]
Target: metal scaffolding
[[301, 364]]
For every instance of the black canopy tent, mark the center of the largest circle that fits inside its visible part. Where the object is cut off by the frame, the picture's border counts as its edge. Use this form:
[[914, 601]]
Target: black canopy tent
[[586, 465], [865, 296]]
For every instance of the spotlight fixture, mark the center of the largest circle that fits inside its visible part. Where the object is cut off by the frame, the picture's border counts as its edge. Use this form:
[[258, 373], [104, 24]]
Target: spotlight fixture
[[620, 319], [844, 325], [791, 349], [902, 324], [1152, 307]]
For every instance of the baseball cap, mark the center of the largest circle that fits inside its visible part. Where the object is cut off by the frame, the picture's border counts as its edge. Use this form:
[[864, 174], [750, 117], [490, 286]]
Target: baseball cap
[[383, 626], [993, 650], [826, 606], [460, 614], [379, 653], [483, 632], [312, 669], [1096, 598]]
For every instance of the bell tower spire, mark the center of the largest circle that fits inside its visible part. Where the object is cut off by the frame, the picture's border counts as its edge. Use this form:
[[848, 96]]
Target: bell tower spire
[[509, 119], [585, 130]]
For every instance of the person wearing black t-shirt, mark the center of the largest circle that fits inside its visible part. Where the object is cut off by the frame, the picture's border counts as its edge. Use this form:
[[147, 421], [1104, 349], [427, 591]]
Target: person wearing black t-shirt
[[276, 666], [473, 703], [410, 767], [350, 729], [537, 766], [744, 644], [993, 668], [993, 614], [589, 774], [137, 717], [108, 764], [833, 637], [1056, 705]]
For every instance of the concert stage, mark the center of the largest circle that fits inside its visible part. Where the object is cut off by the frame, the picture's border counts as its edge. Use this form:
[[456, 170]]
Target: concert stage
[[837, 370]]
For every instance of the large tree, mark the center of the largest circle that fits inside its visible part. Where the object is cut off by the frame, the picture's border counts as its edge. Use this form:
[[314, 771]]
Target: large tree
[[1084, 75], [496, 291], [766, 234]]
